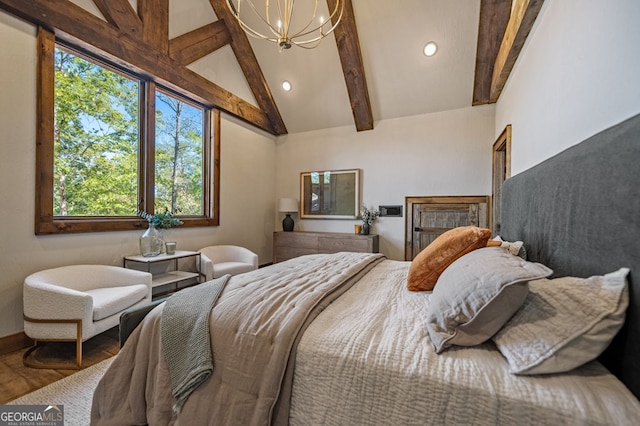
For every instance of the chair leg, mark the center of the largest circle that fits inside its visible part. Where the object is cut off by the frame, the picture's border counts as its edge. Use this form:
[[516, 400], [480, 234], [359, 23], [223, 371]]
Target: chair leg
[[56, 366]]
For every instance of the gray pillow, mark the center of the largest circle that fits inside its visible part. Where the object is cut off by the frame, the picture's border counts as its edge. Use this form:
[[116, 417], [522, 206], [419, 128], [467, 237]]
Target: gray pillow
[[477, 294], [564, 323]]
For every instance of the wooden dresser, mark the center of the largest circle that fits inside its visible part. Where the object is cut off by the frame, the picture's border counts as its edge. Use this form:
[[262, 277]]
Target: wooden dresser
[[287, 245]]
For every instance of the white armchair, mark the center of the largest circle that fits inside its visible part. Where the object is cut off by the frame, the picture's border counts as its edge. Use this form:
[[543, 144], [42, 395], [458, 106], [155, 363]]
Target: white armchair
[[77, 302], [216, 261]]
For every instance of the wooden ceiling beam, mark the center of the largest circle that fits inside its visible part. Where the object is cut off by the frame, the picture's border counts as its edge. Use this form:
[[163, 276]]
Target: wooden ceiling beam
[[155, 17], [346, 35], [494, 16], [121, 14], [249, 64], [523, 16], [70, 21], [198, 43]]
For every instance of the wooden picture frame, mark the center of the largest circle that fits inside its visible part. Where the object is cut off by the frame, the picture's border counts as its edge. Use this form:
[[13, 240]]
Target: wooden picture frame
[[330, 194]]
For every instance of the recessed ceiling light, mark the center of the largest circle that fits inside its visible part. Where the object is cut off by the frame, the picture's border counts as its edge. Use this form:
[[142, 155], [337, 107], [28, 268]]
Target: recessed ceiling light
[[430, 48], [286, 86]]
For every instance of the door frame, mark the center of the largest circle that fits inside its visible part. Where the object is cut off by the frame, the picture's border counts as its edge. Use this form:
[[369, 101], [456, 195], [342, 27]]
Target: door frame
[[501, 171]]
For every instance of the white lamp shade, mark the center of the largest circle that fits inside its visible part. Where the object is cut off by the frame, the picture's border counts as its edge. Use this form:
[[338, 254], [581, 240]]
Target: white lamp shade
[[287, 205]]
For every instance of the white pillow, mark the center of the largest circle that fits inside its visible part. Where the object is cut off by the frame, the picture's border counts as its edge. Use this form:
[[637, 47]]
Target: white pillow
[[564, 323], [516, 248], [477, 294]]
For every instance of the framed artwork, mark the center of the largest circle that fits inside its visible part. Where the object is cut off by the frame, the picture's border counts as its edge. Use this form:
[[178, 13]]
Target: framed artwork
[[330, 194]]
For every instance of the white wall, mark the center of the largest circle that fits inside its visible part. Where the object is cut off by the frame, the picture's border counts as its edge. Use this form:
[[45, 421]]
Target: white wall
[[247, 196], [445, 153], [578, 73]]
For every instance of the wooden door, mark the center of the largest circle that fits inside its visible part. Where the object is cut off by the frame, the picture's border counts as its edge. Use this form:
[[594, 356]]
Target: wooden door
[[432, 216]]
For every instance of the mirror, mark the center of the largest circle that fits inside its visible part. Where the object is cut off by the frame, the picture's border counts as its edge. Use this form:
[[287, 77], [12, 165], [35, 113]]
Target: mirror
[[330, 194]]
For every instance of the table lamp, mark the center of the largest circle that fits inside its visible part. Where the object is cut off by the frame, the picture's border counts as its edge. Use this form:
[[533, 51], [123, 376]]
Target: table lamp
[[288, 206]]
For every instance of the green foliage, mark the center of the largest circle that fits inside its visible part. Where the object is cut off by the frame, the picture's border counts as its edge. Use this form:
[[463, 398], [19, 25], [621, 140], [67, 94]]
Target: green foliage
[[96, 139], [369, 216], [179, 154], [164, 220], [97, 143]]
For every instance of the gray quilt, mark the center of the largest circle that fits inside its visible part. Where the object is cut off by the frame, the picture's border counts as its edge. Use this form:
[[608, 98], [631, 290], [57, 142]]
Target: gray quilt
[[255, 326]]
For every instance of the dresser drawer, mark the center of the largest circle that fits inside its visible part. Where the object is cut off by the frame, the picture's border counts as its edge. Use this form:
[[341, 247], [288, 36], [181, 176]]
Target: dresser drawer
[[287, 245], [285, 253], [334, 245], [296, 239]]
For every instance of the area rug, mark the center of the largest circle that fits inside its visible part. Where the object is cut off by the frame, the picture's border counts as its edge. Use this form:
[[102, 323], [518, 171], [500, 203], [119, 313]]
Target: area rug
[[74, 392]]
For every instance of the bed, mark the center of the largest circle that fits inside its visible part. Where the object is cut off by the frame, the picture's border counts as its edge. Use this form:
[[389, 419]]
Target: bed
[[362, 349]]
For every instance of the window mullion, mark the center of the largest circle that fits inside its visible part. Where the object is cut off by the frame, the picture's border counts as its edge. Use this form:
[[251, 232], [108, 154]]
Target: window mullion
[[213, 172], [148, 151]]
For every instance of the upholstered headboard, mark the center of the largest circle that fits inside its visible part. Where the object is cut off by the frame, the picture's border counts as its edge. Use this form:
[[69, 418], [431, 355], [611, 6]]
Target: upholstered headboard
[[579, 214]]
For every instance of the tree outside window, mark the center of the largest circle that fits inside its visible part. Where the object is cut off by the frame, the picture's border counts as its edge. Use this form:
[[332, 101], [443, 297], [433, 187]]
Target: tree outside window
[[178, 155], [96, 139]]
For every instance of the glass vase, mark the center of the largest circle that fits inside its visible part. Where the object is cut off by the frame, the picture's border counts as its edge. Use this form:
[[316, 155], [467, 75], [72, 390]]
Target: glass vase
[[365, 229], [151, 242]]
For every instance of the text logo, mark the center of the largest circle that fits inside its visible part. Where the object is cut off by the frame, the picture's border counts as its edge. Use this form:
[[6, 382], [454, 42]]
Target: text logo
[[31, 415]]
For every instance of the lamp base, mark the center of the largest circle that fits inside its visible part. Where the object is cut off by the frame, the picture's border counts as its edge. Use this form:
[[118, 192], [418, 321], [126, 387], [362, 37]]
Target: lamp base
[[287, 223]]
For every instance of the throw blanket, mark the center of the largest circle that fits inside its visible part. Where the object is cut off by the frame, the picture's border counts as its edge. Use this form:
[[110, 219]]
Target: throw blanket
[[186, 345], [255, 326]]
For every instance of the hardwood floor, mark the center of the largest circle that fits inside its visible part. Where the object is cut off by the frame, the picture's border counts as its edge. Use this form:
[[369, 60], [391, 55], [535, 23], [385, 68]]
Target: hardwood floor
[[17, 380]]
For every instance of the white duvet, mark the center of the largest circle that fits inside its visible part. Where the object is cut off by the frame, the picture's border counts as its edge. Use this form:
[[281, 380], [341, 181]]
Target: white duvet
[[367, 360]]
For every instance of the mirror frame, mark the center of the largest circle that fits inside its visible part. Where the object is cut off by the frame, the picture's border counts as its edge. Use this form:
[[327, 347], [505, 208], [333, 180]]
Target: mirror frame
[[304, 196]]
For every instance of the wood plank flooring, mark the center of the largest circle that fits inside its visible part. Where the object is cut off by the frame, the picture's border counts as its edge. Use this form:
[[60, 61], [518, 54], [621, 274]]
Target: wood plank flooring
[[17, 380]]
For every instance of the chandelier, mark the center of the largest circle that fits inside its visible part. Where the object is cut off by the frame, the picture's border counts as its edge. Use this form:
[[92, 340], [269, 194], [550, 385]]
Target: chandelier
[[276, 23]]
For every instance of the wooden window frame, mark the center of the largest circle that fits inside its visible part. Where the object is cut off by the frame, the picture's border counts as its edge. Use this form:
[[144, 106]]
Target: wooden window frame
[[46, 222]]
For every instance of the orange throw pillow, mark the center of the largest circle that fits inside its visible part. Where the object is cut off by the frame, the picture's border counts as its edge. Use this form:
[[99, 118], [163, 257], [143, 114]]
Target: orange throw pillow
[[427, 266]]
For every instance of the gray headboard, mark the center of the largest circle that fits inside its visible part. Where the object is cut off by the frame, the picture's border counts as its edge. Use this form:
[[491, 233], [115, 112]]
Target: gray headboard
[[579, 214]]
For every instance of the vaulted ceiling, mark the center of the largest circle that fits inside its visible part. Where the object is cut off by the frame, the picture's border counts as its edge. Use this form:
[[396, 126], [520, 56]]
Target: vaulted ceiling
[[371, 68]]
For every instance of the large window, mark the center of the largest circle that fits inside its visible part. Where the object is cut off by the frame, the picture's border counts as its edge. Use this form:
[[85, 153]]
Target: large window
[[179, 140], [96, 139], [112, 141]]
